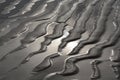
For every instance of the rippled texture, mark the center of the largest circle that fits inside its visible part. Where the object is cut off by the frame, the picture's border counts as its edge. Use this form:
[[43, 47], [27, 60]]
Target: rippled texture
[[59, 39]]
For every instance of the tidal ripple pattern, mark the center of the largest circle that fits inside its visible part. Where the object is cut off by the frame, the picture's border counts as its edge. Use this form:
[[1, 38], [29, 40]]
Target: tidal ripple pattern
[[59, 39]]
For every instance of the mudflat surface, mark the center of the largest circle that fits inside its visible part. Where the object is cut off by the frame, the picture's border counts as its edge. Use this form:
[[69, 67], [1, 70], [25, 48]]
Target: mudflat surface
[[59, 39]]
